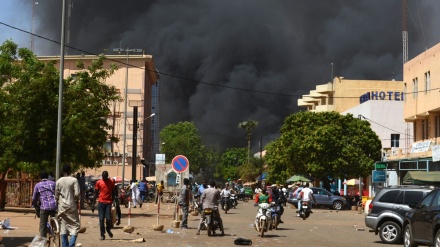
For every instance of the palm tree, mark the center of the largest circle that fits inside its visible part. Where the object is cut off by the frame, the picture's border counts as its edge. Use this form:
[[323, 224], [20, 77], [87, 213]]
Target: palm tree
[[248, 126]]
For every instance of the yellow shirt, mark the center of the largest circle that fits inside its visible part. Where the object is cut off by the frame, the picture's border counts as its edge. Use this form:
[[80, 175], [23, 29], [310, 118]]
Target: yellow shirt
[[160, 187]]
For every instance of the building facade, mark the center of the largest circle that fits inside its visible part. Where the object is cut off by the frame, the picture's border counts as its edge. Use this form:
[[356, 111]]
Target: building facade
[[135, 78]]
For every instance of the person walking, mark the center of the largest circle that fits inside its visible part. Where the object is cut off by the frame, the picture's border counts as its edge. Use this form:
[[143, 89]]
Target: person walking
[[135, 195], [43, 200], [67, 197], [184, 199], [160, 189], [143, 189], [104, 190]]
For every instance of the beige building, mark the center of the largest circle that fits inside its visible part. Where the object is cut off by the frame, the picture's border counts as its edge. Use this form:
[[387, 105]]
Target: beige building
[[141, 76], [343, 94], [422, 108]]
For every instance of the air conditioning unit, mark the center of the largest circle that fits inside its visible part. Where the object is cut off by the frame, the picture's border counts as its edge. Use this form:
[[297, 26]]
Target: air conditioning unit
[[116, 154], [109, 154], [108, 162], [103, 162], [115, 162], [127, 154]]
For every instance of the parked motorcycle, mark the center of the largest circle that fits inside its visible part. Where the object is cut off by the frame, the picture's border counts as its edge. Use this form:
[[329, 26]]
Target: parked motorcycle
[[304, 212], [197, 205], [262, 221], [124, 197], [233, 200], [210, 222], [226, 204], [275, 216], [149, 197]]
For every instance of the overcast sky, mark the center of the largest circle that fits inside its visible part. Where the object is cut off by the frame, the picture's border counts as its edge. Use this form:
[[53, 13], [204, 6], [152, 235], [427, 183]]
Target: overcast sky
[[274, 50]]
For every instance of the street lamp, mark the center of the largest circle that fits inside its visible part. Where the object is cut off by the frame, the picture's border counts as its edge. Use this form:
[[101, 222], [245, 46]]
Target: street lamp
[[120, 50]]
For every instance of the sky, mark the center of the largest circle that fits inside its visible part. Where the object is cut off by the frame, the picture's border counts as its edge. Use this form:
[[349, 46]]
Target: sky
[[232, 61]]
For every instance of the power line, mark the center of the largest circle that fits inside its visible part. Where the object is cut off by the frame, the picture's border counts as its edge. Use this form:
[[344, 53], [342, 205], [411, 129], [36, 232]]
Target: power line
[[383, 126], [187, 79]]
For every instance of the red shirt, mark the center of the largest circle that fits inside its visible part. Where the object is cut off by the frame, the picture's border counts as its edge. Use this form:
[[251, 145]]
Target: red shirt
[[105, 188]]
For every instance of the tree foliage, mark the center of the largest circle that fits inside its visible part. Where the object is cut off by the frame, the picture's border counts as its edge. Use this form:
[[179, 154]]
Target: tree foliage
[[183, 139], [29, 91], [324, 144], [230, 163]]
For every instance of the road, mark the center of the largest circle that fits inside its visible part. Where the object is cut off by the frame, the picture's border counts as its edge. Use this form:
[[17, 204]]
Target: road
[[325, 227]]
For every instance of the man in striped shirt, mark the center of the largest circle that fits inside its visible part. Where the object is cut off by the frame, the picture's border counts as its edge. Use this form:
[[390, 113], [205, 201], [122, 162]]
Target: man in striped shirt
[[44, 198]]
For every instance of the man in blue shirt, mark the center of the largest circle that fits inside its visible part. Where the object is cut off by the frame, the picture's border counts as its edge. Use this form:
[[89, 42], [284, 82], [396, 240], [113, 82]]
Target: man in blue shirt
[[44, 198]]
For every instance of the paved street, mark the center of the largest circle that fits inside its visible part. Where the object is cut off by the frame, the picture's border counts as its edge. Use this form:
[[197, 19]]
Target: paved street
[[324, 228]]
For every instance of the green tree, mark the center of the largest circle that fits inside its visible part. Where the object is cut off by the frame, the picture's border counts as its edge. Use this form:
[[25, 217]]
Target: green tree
[[248, 126], [249, 171], [230, 162], [183, 139], [29, 111], [323, 144]]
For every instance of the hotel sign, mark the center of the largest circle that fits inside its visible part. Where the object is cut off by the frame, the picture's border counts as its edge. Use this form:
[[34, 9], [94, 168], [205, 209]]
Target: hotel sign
[[382, 95]]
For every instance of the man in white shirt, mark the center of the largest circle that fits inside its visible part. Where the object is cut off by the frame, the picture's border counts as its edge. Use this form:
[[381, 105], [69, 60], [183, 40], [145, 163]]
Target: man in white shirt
[[225, 193], [306, 195]]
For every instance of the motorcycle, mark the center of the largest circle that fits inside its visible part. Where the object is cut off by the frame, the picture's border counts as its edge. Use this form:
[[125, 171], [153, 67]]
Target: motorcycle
[[262, 221], [124, 197], [226, 204], [210, 222], [275, 216], [304, 212], [197, 205], [90, 196], [233, 200]]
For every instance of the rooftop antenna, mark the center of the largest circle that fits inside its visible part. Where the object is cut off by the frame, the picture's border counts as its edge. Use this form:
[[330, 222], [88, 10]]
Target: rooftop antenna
[[404, 32], [34, 3]]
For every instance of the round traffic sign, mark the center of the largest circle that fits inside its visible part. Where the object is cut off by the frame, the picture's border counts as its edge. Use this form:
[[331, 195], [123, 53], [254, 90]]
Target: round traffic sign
[[180, 163]]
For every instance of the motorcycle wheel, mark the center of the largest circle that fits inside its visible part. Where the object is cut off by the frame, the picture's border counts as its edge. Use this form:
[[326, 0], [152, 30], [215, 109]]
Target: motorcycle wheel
[[304, 215], [263, 227], [246, 199], [208, 227], [151, 199], [275, 222]]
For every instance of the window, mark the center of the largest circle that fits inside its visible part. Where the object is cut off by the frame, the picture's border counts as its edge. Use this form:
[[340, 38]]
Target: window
[[415, 87], [428, 199], [425, 128], [413, 196], [437, 126], [427, 82], [390, 196], [395, 138]]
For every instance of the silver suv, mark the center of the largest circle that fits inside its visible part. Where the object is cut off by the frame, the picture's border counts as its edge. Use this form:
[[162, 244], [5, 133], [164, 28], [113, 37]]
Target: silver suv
[[388, 209]]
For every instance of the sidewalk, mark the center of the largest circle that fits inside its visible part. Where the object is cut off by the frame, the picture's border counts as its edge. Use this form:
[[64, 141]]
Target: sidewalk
[[26, 225]]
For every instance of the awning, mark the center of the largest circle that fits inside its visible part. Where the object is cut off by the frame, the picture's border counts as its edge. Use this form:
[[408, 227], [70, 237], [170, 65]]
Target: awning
[[422, 178]]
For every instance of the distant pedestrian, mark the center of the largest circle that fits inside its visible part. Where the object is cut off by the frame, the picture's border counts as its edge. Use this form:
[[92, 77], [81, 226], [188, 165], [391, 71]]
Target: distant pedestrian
[[104, 191], [67, 197], [143, 189], [160, 189], [135, 195], [43, 200], [82, 188], [184, 199]]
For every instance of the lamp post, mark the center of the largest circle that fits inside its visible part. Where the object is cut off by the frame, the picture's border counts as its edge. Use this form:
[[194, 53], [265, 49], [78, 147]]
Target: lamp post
[[120, 50]]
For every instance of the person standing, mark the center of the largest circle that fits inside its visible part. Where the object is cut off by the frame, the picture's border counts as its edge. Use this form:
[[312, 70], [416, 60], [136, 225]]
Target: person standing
[[160, 189], [82, 188], [135, 195], [184, 198], [67, 197], [143, 189], [210, 198], [44, 199], [117, 203], [104, 191]]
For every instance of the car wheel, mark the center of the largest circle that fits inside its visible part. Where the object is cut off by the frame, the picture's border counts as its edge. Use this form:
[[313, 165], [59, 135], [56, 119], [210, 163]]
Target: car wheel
[[437, 239], [390, 232], [337, 205], [408, 240]]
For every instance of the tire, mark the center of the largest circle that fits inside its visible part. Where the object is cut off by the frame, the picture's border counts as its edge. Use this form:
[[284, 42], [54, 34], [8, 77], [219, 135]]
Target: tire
[[408, 240], [208, 228], [338, 205], [246, 199], [275, 222], [263, 227], [54, 237], [390, 232], [151, 199], [437, 239]]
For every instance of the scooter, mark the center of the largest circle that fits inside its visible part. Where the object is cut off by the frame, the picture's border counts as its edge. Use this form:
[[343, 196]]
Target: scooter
[[233, 200], [304, 212], [263, 218], [210, 222], [226, 204], [275, 216]]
